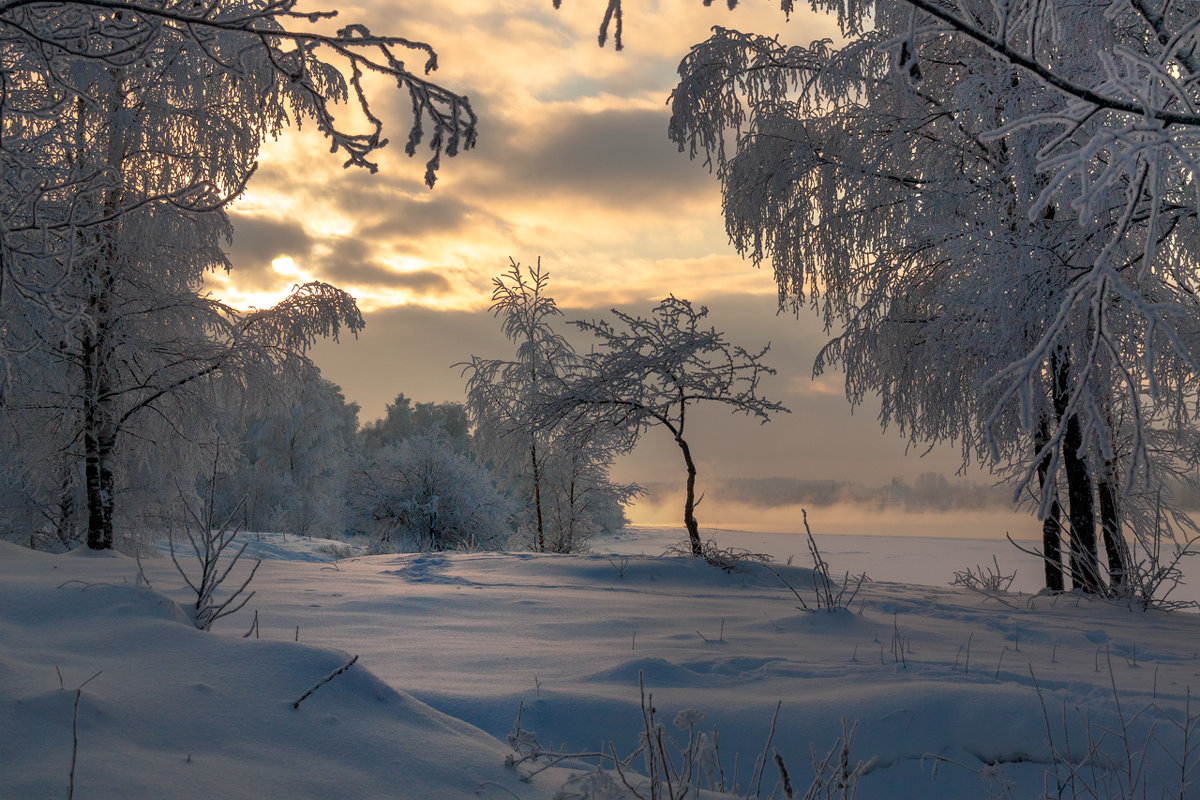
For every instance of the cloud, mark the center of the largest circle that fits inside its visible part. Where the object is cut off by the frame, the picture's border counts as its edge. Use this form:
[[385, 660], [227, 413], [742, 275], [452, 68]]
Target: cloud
[[410, 217], [368, 274], [409, 349], [257, 241], [615, 157]]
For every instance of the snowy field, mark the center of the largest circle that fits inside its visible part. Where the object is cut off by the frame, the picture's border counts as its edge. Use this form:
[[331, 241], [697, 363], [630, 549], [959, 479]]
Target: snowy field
[[940, 682]]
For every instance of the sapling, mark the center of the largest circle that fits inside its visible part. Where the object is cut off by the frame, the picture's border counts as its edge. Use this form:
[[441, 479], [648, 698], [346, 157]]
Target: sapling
[[990, 581], [822, 583], [209, 541]]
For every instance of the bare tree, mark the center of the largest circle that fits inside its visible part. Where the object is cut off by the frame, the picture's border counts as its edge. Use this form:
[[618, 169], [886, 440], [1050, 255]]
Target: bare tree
[[210, 537], [651, 372], [562, 471]]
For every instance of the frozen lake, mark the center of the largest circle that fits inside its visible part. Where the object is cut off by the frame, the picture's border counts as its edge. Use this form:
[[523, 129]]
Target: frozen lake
[[926, 560]]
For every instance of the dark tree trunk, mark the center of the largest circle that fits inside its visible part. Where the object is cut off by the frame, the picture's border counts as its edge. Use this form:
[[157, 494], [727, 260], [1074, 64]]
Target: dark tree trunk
[[1052, 524], [540, 544], [1084, 564], [64, 518], [569, 544], [100, 426], [689, 504], [97, 448], [99, 433], [1110, 524]]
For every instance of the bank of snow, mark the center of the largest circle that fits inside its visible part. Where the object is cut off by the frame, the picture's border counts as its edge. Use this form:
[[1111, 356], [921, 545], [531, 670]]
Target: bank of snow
[[168, 711], [941, 683]]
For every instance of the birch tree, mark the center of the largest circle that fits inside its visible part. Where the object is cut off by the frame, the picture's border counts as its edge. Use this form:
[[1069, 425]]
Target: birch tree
[[200, 86], [562, 470], [124, 131], [895, 185], [651, 371]]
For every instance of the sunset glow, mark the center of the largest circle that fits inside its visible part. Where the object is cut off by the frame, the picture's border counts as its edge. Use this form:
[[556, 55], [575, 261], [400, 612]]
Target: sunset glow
[[573, 166]]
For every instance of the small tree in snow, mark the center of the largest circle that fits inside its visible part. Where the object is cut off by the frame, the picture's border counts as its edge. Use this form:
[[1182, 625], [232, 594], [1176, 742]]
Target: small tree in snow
[[562, 471], [652, 371], [212, 541]]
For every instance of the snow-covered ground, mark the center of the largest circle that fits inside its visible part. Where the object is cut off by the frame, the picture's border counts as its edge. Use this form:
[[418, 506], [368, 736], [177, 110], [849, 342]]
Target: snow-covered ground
[[940, 682]]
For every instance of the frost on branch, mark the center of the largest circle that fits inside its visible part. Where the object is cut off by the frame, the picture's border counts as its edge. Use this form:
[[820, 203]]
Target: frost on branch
[[296, 67], [313, 310], [562, 472], [650, 372], [614, 17], [1002, 274], [161, 107]]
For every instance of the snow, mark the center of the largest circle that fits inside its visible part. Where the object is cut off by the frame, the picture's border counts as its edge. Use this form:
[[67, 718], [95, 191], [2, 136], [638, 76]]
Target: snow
[[940, 682]]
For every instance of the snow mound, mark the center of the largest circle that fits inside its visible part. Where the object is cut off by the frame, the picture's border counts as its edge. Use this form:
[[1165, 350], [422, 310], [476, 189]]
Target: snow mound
[[167, 710]]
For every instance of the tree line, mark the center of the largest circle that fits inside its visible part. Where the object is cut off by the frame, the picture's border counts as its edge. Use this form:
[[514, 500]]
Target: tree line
[[418, 478], [525, 462]]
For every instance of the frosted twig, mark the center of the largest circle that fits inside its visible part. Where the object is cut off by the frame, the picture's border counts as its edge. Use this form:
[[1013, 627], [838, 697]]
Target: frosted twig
[[324, 681]]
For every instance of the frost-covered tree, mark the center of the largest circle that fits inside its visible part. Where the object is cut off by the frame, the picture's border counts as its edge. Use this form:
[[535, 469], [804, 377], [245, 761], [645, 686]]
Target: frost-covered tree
[[295, 453], [124, 130], [580, 500], [197, 88], [1120, 132], [562, 471], [124, 411], [425, 494], [651, 372], [893, 184], [403, 419]]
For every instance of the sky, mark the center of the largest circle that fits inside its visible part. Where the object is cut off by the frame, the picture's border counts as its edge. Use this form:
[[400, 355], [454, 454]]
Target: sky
[[573, 167]]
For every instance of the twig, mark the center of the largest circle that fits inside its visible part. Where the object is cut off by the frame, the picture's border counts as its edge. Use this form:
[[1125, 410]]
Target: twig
[[75, 733], [761, 763], [324, 681], [784, 777], [253, 627], [74, 744]]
